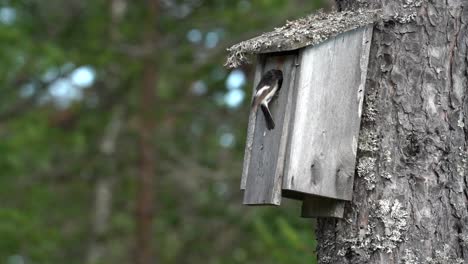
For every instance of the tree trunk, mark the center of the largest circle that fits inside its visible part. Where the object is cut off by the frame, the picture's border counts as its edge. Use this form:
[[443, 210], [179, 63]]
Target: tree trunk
[[144, 213], [410, 201], [103, 192], [104, 185], [98, 247], [144, 210]]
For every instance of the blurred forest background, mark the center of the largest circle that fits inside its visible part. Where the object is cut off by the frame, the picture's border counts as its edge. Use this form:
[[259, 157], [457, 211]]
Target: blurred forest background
[[122, 135]]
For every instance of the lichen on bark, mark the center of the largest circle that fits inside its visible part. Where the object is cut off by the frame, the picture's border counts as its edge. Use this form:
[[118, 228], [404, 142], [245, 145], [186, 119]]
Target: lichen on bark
[[388, 216]]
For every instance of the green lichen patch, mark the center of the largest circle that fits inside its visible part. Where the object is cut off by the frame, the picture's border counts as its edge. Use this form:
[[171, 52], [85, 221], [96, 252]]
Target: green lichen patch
[[444, 256], [365, 169], [394, 218], [385, 231], [370, 106], [410, 257], [368, 140]]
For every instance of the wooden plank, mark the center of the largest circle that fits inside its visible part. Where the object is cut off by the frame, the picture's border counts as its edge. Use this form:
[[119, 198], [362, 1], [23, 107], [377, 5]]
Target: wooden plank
[[265, 169], [326, 116], [316, 207], [252, 120]]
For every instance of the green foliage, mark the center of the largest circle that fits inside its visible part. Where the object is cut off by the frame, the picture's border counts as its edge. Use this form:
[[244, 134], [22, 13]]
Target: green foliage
[[52, 153], [279, 235]]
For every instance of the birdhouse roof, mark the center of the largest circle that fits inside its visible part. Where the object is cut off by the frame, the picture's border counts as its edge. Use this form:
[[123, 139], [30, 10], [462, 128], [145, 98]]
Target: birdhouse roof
[[307, 31]]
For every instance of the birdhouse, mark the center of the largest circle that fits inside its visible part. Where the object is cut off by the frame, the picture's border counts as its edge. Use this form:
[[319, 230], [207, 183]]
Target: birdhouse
[[310, 155]]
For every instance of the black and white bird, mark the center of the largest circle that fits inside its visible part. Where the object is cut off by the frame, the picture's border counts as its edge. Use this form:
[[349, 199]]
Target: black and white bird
[[268, 86]]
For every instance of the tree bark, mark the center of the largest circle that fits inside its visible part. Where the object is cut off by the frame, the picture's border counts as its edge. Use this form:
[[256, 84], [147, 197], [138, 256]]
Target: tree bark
[[410, 201], [144, 210]]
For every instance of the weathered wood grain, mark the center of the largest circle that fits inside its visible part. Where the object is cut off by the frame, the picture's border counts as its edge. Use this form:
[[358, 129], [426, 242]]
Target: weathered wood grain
[[251, 126], [264, 170], [311, 206], [325, 121]]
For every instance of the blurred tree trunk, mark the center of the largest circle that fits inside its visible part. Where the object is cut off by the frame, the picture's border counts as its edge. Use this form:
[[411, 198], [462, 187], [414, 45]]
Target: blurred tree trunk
[[410, 201], [102, 208], [104, 183], [144, 214], [104, 191]]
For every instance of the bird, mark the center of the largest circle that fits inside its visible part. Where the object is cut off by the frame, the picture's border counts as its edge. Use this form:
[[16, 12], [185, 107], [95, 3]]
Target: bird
[[268, 86]]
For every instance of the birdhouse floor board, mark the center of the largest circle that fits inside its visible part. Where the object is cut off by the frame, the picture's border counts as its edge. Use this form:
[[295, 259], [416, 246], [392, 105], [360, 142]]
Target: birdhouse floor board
[[313, 207]]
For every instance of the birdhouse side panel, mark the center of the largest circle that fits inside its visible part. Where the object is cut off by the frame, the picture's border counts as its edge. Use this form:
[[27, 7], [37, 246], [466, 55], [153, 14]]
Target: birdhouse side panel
[[326, 116]]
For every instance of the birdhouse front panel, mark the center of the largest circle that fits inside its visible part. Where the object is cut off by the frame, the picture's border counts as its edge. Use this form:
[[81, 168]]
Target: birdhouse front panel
[[326, 110]]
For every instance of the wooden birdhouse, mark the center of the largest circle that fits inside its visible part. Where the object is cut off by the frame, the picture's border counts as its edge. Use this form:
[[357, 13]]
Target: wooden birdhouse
[[310, 155]]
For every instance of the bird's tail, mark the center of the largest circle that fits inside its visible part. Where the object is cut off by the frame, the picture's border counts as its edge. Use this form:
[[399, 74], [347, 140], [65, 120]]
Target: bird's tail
[[268, 118]]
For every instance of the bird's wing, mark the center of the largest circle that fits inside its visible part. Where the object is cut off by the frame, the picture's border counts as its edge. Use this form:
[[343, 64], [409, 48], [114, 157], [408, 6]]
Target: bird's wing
[[260, 96]]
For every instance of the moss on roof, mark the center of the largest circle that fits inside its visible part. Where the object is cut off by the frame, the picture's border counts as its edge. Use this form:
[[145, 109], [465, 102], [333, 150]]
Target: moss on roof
[[311, 30]]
